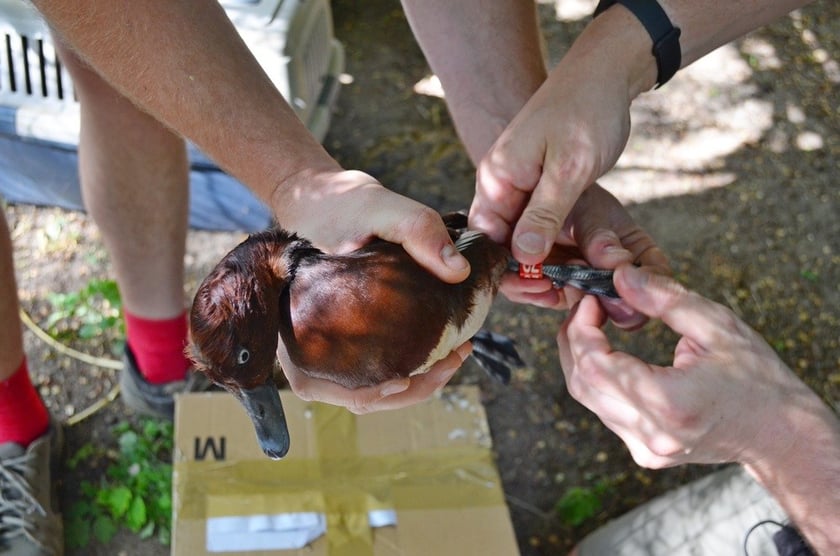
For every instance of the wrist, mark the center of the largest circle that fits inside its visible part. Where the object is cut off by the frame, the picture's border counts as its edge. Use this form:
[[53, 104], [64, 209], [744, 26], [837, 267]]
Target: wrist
[[294, 192], [623, 45], [323, 203], [791, 435], [665, 37]]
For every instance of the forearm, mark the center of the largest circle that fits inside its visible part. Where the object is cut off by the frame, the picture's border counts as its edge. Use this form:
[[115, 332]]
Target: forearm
[[184, 63], [800, 466], [488, 57], [705, 25]]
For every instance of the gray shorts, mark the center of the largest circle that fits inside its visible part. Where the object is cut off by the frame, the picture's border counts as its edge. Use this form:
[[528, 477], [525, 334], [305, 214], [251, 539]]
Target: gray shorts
[[709, 517]]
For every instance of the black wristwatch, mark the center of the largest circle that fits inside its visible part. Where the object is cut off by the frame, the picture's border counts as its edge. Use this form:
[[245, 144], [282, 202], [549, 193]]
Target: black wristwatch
[[666, 37]]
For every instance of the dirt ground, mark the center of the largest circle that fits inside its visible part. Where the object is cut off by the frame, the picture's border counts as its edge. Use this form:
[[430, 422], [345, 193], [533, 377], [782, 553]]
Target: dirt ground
[[733, 167]]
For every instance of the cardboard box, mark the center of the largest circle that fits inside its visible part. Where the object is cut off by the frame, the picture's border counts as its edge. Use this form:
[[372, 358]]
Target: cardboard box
[[345, 479]]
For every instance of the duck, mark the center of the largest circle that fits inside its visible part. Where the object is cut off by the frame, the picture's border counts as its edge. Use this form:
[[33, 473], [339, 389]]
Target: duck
[[357, 319]]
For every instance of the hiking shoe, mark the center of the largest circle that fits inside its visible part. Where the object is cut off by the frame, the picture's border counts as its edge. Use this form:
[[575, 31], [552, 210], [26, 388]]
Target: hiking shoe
[[157, 400], [30, 524]]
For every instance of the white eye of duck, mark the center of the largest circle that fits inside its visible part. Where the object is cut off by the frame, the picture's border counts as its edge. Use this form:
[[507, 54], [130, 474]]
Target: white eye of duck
[[243, 356]]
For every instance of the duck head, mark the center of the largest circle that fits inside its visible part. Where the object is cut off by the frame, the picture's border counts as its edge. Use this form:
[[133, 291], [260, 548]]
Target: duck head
[[233, 326]]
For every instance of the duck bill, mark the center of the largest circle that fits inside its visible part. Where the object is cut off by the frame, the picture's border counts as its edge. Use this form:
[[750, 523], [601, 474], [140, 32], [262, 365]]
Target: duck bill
[[266, 412]]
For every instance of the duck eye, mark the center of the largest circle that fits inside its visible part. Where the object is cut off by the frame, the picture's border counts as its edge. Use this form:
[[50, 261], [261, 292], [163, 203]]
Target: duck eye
[[243, 356]]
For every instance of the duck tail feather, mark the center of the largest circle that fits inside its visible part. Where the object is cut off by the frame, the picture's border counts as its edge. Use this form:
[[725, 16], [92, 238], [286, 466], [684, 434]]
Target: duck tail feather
[[496, 354]]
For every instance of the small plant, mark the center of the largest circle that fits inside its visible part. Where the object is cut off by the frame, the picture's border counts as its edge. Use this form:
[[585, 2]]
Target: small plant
[[136, 491], [580, 503], [809, 275], [95, 310]]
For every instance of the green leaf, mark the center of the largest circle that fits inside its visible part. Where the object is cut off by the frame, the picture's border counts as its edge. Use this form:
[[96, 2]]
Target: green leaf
[[121, 427], [809, 275], [88, 331], [147, 531], [88, 489], [64, 301], [54, 319], [83, 453], [128, 442], [577, 505], [163, 503], [135, 519], [108, 289], [164, 535], [79, 510], [76, 532], [116, 499], [104, 529]]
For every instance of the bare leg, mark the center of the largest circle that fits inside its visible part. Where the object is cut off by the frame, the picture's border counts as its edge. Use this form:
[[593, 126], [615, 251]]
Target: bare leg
[[134, 176], [11, 339]]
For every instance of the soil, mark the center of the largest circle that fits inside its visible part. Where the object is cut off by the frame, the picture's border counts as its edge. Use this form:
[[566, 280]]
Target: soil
[[732, 166]]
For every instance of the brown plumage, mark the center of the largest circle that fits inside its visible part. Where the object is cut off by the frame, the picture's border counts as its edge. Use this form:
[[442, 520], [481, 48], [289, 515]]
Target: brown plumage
[[357, 319]]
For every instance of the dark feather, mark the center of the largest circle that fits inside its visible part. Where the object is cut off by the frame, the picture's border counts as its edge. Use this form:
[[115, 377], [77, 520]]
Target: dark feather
[[496, 354]]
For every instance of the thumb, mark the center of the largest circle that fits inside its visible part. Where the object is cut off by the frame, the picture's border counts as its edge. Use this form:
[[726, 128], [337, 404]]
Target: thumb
[[662, 297], [425, 238], [541, 221], [436, 253]]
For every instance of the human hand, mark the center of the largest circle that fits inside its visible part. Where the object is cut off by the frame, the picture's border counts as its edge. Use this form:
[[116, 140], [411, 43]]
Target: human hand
[[565, 137], [393, 394], [598, 232], [719, 400], [535, 188], [339, 211], [568, 134]]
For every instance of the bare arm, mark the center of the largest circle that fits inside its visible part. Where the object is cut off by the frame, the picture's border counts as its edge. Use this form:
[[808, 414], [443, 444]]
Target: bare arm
[[707, 25], [801, 466], [488, 57], [164, 55]]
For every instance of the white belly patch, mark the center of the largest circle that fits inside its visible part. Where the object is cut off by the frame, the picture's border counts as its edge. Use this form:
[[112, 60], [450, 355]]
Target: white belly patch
[[453, 336]]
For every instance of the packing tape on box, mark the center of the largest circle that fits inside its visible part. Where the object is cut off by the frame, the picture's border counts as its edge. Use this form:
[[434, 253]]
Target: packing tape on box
[[341, 483]]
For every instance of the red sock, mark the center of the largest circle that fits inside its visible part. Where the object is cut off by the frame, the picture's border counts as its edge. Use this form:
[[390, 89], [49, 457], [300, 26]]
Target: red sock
[[158, 346], [23, 415]]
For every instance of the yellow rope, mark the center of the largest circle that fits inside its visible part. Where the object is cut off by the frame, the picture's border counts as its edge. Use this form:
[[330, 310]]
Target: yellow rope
[[68, 351], [79, 416]]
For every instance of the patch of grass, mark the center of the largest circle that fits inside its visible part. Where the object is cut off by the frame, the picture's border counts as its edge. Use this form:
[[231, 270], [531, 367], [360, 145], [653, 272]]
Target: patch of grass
[[135, 492], [88, 313]]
